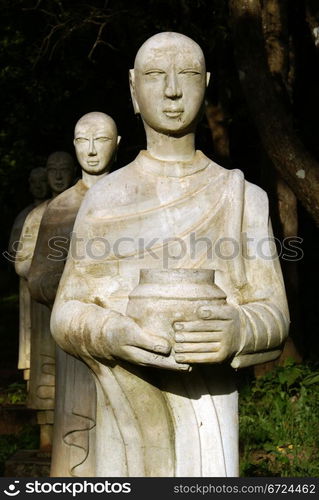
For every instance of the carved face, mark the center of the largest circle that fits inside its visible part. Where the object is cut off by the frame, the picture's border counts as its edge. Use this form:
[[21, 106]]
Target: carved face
[[38, 184], [169, 82], [60, 171], [95, 140]]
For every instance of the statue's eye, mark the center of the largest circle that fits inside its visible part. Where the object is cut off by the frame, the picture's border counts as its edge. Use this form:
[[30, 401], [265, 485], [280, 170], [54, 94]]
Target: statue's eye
[[154, 72], [189, 72], [80, 140], [102, 139]]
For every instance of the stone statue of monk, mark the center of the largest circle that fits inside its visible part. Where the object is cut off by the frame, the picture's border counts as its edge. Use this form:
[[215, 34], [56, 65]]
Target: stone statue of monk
[[60, 173], [95, 141], [166, 396], [38, 187]]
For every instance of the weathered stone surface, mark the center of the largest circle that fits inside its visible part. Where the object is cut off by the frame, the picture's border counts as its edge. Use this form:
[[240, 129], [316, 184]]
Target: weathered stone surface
[[166, 395]]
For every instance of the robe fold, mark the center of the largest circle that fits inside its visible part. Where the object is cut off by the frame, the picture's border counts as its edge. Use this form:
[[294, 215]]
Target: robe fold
[[39, 343]]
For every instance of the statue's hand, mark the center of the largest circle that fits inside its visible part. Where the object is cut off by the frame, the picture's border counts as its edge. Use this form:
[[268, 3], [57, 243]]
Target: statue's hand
[[214, 337], [127, 341]]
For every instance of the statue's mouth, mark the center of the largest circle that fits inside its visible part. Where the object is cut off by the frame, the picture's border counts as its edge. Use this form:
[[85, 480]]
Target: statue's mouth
[[93, 163], [173, 113]]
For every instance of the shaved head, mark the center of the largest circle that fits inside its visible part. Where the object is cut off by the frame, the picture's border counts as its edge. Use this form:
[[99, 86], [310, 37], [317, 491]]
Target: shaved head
[[96, 118], [61, 157], [161, 44], [60, 170], [95, 142]]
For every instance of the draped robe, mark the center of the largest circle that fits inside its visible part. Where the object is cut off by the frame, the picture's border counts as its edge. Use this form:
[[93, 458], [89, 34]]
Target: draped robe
[[155, 214], [40, 343], [74, 418], [24, 295]]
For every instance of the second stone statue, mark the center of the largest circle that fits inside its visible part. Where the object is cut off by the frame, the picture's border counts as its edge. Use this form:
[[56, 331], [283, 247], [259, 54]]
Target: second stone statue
[[60, 173], [95, 141]]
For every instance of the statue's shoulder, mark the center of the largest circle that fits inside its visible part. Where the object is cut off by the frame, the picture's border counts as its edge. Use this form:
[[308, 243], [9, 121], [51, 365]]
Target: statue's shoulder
[[116, 188], [70, 197], [21, 217], [256, 207], [37, 212], [230, 175], [254, 199], [255, 196]]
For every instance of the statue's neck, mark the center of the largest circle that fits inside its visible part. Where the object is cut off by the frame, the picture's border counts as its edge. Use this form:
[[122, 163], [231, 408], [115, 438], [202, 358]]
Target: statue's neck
[[89, 180], [168, 147]]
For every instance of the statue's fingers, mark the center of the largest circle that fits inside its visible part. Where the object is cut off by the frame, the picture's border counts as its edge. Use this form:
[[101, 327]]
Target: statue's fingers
[[197, 347], [197, 336], [150, 342], [204, 325], [146, 358], [221, 312], [198, 357]]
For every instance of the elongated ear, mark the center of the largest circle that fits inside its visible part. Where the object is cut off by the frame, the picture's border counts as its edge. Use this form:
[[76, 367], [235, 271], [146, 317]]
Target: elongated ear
[[132, 89], [118, 139], [207, 78]]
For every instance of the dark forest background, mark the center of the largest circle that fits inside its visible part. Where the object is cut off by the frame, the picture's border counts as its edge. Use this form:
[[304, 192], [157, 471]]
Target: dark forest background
[[61, 59]]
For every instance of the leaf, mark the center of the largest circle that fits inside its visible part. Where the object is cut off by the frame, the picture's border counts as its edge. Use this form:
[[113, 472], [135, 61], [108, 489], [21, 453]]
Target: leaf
[[289, 376], [311, 379]]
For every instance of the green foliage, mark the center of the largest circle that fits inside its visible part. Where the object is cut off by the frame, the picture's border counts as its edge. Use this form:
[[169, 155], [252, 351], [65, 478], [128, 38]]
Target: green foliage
[[14, 394], [279, 419]]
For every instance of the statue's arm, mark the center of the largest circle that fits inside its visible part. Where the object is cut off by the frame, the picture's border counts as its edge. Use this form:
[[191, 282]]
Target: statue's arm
[[77, 322], [48, 261], [251, 327], [263, 311], [264, 321], [87, 329], [28, 239]]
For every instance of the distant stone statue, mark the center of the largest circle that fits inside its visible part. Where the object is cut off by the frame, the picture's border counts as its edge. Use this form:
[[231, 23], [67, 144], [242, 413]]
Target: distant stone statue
[[38, 187], [172, 283], [60, 173], [95, 141]]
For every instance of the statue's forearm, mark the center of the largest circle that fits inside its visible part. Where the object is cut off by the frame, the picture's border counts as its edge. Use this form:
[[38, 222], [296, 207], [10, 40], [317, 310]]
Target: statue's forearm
[[78, 328], [264, 327]]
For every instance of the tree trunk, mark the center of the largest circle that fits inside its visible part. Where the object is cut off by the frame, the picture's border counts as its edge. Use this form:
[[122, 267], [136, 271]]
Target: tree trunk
[[276, 42], [275, 29], [269, 109], [217, 123]]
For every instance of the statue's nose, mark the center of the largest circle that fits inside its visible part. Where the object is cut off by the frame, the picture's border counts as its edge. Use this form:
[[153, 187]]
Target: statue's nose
[[173, 89], [92, 150]]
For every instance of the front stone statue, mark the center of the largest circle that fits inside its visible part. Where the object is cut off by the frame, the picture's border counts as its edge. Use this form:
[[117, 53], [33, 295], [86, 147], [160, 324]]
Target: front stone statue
[[172, 283]]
